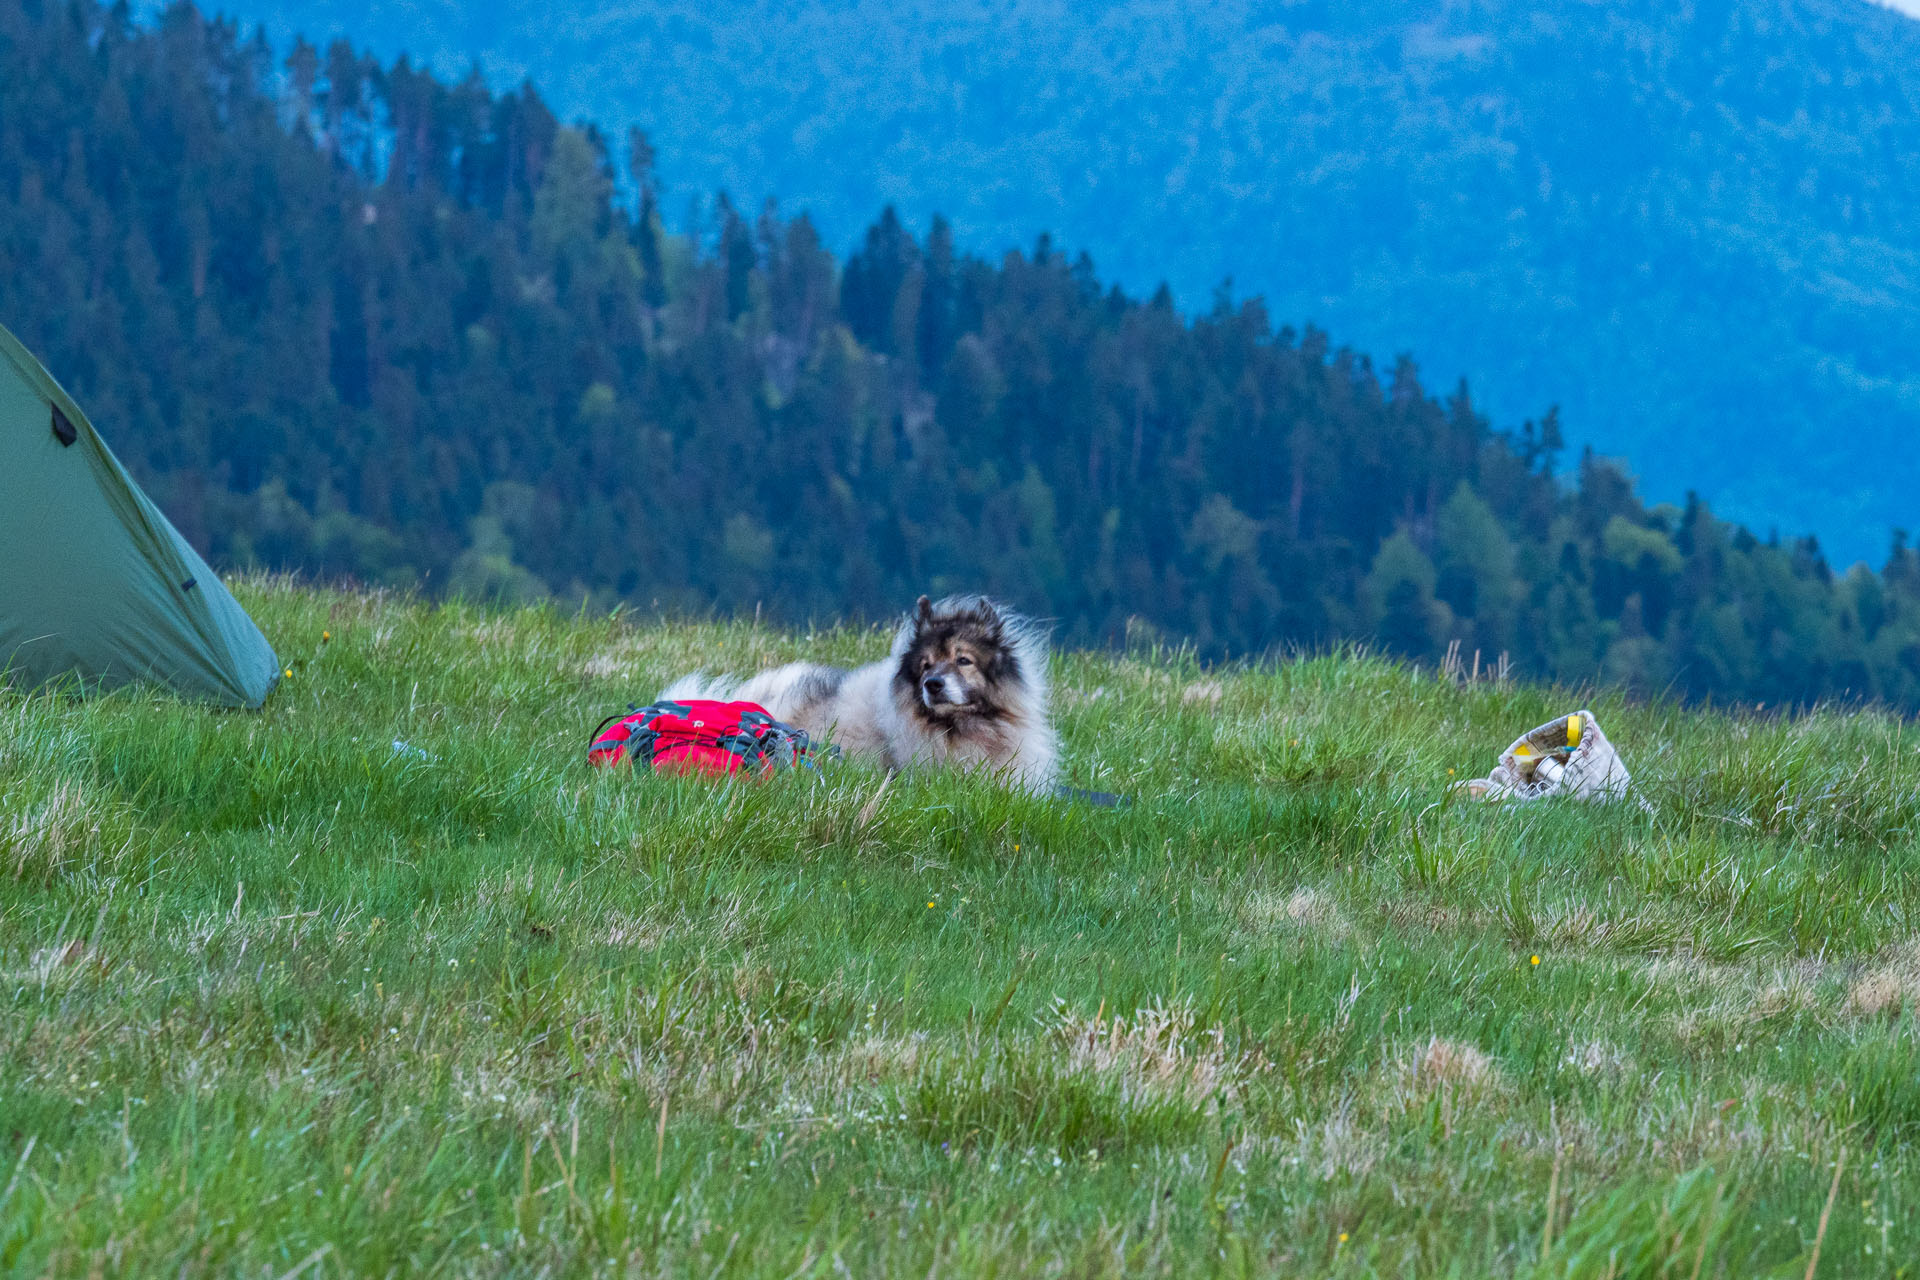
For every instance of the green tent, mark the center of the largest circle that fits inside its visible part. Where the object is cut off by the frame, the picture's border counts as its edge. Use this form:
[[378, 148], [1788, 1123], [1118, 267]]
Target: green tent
[[95, 585]]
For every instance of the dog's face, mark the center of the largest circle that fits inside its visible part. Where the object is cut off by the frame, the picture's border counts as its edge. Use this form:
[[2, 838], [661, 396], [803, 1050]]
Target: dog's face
[[957, 663]]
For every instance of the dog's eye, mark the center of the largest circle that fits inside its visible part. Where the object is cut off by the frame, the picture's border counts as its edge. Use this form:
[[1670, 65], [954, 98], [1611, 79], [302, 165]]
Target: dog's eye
[[963, 661]]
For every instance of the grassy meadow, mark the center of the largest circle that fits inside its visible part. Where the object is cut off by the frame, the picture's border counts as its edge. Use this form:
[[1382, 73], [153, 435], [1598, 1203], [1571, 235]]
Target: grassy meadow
[[384, 980]]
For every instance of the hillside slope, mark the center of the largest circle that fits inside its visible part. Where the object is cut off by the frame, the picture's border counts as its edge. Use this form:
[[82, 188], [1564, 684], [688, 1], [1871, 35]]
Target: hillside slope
[[386, 980], [1692, 226]]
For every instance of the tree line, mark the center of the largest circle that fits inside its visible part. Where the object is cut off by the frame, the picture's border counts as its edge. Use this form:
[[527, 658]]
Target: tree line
[[353, 320]]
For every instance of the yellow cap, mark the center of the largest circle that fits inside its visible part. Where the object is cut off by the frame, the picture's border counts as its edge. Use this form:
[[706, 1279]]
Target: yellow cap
[[1573, 731]]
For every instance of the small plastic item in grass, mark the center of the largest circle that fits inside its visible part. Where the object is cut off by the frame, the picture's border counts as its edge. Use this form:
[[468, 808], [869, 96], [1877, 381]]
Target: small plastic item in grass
[[1567, 756]]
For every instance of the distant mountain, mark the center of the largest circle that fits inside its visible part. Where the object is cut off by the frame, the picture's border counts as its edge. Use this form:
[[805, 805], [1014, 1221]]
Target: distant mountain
[[341, 317], [1696, 227]]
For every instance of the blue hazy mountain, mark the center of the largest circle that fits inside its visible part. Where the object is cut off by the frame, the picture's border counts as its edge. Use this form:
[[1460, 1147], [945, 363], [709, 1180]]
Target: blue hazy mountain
[[1696, 227]]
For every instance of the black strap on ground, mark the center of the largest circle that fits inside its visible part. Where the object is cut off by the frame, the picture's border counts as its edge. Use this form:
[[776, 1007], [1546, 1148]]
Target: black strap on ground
[[1098, 799]]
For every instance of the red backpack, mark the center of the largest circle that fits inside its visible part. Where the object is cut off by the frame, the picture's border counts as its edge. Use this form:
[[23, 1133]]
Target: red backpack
[[700, 737]]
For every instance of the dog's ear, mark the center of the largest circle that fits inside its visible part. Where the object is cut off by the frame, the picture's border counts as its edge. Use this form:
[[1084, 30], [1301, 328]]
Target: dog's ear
[[989, 615], [923, 612]]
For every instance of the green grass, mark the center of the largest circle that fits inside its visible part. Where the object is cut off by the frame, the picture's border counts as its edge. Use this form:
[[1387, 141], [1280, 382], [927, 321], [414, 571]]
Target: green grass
[[274, 994]]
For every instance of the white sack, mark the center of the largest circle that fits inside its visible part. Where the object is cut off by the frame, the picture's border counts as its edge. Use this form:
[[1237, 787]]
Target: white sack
[[1568, 756]]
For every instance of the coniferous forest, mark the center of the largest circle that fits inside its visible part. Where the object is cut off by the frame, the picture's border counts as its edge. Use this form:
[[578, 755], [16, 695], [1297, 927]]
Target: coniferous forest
[[351, 320]]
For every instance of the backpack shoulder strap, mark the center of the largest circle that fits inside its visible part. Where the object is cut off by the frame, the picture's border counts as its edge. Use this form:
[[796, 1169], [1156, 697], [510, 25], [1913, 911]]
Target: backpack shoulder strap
[[602, 726]]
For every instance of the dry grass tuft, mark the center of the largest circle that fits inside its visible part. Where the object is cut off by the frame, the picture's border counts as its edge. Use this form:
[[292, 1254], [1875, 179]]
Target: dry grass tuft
[[1726, 1003], [1154, 1052], [642, 932], [1309, 906], [730, 918], [1067, 699], [1788, 991], [1890, 987], [1336, 1144], [1205, 692], [486, 1089], [1598, 1058], [1451, 1064], [500, 631], [68, 828], [1303, 908], [1428, 917], [609, 666], [876, 1058], [1578, 926], [53, 968]]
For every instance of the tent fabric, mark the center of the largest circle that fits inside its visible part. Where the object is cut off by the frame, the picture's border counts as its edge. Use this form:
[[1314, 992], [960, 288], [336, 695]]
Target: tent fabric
[[96, 587]]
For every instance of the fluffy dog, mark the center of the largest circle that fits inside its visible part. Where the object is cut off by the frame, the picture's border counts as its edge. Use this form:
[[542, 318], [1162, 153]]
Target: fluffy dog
[[964, 686]]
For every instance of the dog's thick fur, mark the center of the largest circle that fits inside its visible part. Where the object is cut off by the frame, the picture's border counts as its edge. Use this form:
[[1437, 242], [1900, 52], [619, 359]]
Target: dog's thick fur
[[964, 686]]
